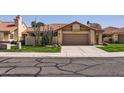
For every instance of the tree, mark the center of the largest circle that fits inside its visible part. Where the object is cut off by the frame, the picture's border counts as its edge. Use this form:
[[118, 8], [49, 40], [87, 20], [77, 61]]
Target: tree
[[88, 22], [36, 26], [94, 25]]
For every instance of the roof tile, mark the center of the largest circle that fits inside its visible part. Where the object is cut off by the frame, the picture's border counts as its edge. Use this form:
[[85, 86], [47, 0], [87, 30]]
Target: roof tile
[[7, 26]]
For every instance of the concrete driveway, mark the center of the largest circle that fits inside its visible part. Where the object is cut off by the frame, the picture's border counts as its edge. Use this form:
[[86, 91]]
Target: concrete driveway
[[82, 51]]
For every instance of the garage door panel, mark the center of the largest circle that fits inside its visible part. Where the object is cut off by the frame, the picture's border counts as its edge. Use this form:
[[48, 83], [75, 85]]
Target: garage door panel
[[75, 39], [121, 39]]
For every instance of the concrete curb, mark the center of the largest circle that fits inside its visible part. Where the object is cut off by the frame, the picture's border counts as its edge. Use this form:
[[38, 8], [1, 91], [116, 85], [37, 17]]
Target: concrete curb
[[58, 55]]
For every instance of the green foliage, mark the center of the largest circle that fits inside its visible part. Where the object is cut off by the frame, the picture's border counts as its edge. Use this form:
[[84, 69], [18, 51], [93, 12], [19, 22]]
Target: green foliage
[[45, 40], [33, 23], [33, 49], [113, 48], [36, 26], [47, 36], [39, 24]]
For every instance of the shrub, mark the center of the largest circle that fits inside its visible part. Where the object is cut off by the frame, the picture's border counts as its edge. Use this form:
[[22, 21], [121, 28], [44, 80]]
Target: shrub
[[45, 40]]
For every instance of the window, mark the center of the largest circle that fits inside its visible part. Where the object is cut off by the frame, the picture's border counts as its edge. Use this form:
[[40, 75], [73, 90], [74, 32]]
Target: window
[[11, 36], [55, 33]]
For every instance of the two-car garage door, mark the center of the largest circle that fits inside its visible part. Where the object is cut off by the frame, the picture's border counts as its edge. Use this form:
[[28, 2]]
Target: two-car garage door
[[75, 39]]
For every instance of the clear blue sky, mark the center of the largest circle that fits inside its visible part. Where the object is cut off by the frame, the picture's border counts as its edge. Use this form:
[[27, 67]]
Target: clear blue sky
[[104, 20]]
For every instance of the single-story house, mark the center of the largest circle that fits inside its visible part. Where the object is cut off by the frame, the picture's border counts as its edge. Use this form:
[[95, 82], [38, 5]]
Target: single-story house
[[116, 35], [74, 33]]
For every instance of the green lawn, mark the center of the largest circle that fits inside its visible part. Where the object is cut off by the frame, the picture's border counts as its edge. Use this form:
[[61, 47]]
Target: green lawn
[[33, 49], [113, 48]]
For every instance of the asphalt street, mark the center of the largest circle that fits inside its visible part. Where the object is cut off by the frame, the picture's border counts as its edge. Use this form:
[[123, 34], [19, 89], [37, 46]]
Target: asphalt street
[[62, 67]]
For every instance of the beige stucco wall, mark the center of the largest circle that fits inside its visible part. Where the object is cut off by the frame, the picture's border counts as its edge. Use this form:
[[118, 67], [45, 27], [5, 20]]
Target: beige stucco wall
[[15, 35], [30, 40], [76, 27], [1, 36], [100, 41], [6, 37], [60, 37], [55, 40], [115, 37], [92, 37]]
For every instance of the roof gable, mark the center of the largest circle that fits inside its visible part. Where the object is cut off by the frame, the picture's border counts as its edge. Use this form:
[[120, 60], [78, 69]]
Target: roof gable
[[57, 26], [76, 22]]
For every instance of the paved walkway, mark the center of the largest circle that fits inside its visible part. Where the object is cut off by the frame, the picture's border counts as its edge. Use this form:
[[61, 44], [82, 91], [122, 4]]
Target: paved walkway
[[84, 67], [68, 51]]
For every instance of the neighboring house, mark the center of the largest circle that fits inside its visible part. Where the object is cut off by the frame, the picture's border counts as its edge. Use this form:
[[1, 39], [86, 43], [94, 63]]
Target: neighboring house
[[114, 34], [12, 31], [74, 33], [7, 30]]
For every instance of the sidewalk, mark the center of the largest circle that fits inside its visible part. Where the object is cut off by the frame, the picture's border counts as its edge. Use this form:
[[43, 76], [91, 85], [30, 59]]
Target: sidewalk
[[18, 54], [67, 51]]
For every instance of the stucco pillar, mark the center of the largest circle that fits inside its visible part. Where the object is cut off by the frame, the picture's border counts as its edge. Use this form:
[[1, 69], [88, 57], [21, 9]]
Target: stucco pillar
[[92, 37], [19, 45], [100, 38], [8, 46], [60, 37]]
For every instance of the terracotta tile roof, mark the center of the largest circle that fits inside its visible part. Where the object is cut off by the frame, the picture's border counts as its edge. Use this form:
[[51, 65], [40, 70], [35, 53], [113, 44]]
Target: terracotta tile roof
[[29, 29], [113, 30], [7, 26], [57, 26], [47, 27], [120, 31], [95, 26]]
